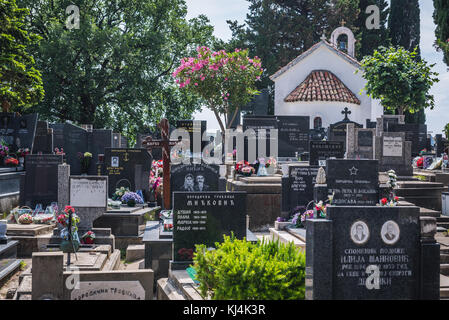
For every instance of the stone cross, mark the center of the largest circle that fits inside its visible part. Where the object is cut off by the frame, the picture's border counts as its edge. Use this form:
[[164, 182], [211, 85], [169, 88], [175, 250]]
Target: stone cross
[[166, 145], [343, 22], [346, 112]]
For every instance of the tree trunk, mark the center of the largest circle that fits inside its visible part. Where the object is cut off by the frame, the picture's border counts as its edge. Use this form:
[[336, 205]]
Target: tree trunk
[[5, 106], [233, 117]]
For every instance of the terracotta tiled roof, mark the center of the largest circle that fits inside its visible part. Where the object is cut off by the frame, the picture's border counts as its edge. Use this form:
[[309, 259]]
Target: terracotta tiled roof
[[322, 85]]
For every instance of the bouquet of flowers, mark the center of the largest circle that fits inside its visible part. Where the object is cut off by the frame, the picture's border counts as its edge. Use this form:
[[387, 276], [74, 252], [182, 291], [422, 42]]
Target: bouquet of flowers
[[384, 202], [11, 162], [243, 167], [63, 220], [85, 159], [119, 192], [4, 149], [59, 151], [88, 237], [26, 219], [23, 152], [157, 168], [271, 162], [131, 198]]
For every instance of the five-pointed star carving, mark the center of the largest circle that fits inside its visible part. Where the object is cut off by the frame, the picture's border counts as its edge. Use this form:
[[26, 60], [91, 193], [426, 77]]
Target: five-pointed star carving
[[353, 171]]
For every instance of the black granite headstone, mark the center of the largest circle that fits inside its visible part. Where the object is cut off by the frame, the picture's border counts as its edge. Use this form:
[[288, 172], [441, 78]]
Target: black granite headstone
[[194, 177], [301, 182], [203, 218], [365, 138], [98, 140], [367, 240], [18, 131], [189, 127], [128, 168], [41, 180], [353, 182], [416, 133], [322, 150], [337, 131], [258, 123], [293, 135], [43, 140]]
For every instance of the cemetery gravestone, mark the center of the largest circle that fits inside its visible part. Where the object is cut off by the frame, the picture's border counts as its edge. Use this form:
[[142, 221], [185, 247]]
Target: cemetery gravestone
[[298, 188], [40, 183], [322, 150], [415, 133], [337, 131], [370, 253], [268, 123], [98, 140], [129, 168], [353, 182], [43, 140], [293, 135], [18, 131], [188, 125], [360, 142], [394, 153], [89, 197], [194, 177], [203, 218]]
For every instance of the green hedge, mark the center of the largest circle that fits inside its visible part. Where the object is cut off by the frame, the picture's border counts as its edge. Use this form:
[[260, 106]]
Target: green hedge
[[240, 270]]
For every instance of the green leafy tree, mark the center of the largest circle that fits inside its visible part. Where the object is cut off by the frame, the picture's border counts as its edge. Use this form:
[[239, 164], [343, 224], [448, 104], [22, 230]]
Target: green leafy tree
[[20, 83], [399, 80], [277, 31], [114, 71], [446, 131], [441, 18], [226, 81], [372, 39]]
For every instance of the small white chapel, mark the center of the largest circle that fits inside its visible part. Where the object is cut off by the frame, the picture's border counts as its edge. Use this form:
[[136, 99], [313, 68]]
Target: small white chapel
[[322, 82]]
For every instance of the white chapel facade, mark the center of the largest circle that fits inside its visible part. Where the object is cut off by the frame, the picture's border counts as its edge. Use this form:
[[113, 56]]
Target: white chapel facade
[[321, 83]]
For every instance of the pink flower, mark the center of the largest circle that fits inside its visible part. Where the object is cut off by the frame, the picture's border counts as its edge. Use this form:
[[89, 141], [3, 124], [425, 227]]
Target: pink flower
[[196, 84]]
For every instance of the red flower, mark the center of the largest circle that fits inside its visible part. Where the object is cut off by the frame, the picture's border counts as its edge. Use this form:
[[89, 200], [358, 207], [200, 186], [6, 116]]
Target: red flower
[[420, 162], [396, 199], [69, 209], [384, 201]]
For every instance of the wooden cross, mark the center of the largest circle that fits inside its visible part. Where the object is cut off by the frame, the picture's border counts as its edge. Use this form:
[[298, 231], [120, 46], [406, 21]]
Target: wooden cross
[[343, 22], [346, 112], [165, 143]]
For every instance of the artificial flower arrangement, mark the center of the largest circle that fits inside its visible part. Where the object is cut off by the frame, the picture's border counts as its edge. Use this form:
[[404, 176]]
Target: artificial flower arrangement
[[384, 202], [26, 219], [85, 159], [88, 237], [243, 167], [11, 161], [63, 220], [119, 192], [4, 149], [59, 151], [23, 152], [131, 199], [319, 211], [166, 217]]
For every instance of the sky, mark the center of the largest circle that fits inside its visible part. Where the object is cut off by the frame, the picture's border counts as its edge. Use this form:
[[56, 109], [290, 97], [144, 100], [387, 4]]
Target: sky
[[218, 11]]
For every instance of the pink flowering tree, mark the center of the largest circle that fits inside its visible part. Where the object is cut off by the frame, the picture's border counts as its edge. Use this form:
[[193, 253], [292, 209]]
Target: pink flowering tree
[[225, 80]]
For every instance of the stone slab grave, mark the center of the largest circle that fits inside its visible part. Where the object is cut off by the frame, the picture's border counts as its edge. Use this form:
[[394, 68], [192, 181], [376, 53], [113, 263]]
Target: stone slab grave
[[128, 168], [297, 188], [18, 131], [337, 131], [263, 198], [353, 182], [43, 140], [320, 151], [194, 177], [74, 139], [49, 277], [203, 218], [360, 142], [40, 182], [293, 135], [372, 253], [89, 197], [195, 129], [394, 153], [9, 190]]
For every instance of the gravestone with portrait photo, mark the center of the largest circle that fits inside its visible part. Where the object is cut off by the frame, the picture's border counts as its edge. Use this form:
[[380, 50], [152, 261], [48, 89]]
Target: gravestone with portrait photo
[[203, 218], [129, 168], [372, 253], [353, 182], [18, 131], [194, 177]]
